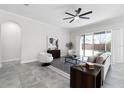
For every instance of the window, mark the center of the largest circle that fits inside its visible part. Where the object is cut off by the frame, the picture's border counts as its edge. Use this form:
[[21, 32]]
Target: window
[[93, 44]]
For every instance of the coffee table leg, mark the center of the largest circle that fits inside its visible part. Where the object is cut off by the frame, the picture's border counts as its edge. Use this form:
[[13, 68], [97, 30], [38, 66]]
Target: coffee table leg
[[65, 60], [76, 61]]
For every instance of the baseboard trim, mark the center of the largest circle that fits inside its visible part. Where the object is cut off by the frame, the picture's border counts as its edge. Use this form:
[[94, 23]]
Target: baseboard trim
[[59, 72], [9, 60], [28, 61], [0, 65], [117, 63]]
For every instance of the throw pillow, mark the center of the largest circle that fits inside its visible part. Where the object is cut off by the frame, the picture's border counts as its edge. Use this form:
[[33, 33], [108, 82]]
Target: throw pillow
[[99, 60]]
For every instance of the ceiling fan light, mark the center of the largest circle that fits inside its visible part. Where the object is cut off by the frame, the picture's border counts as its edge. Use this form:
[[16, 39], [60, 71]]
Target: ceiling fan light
[[76, 18]]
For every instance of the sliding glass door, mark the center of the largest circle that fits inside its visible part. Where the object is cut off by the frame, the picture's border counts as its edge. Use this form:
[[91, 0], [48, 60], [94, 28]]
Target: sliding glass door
[[82, 45], [93, 44], [99, 43], [88, 45], [108, 41]]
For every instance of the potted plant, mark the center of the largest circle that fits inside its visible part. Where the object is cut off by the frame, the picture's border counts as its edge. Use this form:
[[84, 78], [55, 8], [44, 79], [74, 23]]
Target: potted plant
[[70, 47]]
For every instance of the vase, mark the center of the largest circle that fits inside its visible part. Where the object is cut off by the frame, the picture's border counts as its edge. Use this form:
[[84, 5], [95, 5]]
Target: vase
[[71, 52]]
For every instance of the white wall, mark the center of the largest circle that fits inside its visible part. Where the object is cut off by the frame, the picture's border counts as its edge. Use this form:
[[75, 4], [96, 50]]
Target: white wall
[[11, 41], [34, 35], [0, 54], [50, 31], [118, 45], [110, 25]]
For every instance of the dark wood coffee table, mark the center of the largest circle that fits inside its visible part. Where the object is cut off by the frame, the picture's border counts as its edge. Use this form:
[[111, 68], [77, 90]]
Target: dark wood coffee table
[[85, 78]]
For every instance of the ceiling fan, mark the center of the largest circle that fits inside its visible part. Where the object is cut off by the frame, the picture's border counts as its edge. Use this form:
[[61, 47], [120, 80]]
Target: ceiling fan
[[77, 15]]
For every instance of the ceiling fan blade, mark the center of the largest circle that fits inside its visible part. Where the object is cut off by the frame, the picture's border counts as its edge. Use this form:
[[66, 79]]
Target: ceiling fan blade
[[71, 20], [69, 14], [84, 17], [86, 13], [68, 18]]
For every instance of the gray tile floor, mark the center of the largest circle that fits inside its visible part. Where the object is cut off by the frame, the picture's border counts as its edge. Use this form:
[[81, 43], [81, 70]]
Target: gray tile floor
[[32, 75], [115, 77]]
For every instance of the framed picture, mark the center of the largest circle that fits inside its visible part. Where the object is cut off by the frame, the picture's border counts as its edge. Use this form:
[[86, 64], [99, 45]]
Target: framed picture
[[52, 43]]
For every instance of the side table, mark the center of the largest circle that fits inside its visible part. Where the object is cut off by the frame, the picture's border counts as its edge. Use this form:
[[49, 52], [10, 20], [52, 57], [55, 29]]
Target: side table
[[85, 78]]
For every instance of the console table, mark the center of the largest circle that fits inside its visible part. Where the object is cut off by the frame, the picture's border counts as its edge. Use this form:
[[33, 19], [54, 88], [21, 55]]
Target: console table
[[55, 53], [85, 78]]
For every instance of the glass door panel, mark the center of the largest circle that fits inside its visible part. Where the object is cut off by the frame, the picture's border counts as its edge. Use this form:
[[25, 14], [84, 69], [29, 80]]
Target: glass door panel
[[108, 41], [99, 43], [89, 45], [82, 46]]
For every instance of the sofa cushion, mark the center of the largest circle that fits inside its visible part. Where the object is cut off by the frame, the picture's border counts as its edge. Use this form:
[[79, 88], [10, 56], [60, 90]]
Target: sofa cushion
[[92, 59], [99, 54]]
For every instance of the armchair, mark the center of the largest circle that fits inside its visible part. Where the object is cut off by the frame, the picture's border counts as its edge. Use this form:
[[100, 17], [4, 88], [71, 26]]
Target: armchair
[[45, 58]]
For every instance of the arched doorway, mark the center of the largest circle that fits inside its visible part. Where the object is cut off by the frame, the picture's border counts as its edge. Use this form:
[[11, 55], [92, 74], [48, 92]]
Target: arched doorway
[[10, 41]]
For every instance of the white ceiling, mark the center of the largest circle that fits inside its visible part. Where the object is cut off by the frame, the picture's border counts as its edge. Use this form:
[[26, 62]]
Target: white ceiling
[[54, 13]]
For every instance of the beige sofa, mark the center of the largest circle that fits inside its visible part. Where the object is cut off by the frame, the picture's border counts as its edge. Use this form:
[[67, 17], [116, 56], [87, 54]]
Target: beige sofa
[[103, 60]]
